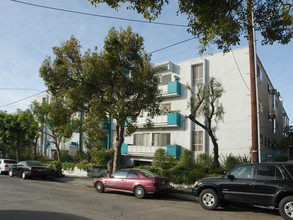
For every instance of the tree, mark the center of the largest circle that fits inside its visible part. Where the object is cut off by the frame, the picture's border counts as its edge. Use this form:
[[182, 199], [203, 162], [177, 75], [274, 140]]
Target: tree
[[17, 132], [206, 102], [223, 22], [117, 82], [57, 117]]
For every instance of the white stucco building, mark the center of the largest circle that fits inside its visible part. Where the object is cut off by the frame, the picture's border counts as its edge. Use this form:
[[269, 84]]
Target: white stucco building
[[173, 132]]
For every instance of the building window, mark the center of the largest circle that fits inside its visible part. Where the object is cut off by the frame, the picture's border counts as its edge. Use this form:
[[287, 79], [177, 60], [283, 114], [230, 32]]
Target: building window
[[197, 74], [165, 79], [197, 144], [161, 139], [141, 139]]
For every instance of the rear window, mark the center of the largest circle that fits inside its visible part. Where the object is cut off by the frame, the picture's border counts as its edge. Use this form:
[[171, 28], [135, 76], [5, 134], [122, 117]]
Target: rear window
[[32, 163], [147, 173], [9, 161]]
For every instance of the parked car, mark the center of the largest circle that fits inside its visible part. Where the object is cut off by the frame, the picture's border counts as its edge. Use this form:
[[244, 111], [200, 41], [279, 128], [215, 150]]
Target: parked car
[[137, 181], [27, 169], [265, 184], [6, 164]]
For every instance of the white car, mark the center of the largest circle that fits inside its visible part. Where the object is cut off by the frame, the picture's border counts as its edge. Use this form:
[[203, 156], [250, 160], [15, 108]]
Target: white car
[[6, 164]]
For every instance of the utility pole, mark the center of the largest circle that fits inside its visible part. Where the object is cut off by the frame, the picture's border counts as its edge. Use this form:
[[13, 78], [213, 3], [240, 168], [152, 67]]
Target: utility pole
[[254, 139]]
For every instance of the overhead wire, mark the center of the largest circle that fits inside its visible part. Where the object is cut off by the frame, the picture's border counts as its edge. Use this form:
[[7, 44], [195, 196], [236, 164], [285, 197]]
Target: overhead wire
[[101, 16]]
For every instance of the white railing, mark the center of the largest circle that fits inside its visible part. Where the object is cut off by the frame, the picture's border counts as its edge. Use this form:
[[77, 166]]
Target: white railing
[[144, 150], [164, 89], [157, 120]]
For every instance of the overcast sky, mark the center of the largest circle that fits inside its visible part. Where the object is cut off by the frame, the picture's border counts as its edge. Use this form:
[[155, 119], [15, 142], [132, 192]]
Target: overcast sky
[[28, 33]]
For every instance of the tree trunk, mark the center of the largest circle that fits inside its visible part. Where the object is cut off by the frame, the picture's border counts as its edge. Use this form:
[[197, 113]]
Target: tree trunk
[[216, 163], [17, 149], [117, 153]]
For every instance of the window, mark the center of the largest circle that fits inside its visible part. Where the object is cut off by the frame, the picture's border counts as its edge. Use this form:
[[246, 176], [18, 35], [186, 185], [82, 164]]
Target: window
[[132, 175], [147, 173], [161, 139], [268, 172], [197, 74], [243, 172], [165, 79], [120, 174], [197, 144], [141, 139]]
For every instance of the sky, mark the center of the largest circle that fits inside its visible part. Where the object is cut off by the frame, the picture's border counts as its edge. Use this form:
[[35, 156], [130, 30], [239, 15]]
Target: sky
[[28, 33]]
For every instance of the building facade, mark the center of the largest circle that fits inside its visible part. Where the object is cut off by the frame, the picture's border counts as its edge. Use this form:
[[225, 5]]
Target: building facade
[[174, 132]]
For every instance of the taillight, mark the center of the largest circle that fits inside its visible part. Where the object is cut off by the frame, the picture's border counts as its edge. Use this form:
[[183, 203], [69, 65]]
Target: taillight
[[33, 169], [46, 170], [5, 165], [156, 182]]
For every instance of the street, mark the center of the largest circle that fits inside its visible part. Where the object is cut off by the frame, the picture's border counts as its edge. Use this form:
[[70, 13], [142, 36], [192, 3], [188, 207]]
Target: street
[[44, 200]]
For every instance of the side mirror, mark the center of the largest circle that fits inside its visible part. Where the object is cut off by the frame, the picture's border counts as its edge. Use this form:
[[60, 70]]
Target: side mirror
[[231, 177]]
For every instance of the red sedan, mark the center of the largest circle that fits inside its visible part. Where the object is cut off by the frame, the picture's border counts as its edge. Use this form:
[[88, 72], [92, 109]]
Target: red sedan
[[137, 181]]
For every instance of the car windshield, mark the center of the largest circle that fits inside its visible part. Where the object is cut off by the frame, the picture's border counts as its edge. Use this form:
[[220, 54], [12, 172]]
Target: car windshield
[[289, 168], [147, 173], [32, 163], [9, 161]]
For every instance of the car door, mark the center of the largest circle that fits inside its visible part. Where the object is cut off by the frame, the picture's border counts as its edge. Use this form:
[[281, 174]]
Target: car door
[[117, 180], [131, 180], [269, 179], [238, 186], [17, 171]]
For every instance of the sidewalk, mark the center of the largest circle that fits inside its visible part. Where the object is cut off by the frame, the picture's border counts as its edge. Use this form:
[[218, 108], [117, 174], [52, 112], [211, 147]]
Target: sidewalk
[[88, 182]]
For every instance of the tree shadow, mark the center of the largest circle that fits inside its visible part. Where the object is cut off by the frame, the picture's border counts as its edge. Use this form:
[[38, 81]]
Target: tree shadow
[[32, 215]]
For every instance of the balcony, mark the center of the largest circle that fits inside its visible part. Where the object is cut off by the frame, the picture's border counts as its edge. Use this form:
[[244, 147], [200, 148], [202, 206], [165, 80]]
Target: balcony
[[172, 89], [149, 151], [168, 120]]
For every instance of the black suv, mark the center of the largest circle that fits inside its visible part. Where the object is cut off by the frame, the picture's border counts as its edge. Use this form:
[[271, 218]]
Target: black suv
[[265, 184]]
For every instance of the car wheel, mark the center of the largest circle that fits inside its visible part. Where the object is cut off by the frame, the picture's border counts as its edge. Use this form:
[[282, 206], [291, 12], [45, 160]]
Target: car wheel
[[286, 207], [209, 199], [99, 187], [139, 192], [23, 175], [10, 173]]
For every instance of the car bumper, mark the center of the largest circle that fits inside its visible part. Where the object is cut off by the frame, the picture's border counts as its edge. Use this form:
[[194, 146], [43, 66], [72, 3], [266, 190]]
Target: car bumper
[[37, 174], [194, 191], [158, 189]]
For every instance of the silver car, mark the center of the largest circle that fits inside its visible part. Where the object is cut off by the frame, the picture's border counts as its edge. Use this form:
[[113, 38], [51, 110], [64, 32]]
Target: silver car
[[6, 164]]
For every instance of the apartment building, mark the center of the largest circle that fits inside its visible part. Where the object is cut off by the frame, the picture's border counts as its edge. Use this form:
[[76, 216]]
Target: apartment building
[[173, 132]]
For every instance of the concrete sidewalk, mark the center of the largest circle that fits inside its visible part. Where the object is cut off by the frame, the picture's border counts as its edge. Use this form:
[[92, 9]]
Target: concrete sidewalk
[[88, 182]]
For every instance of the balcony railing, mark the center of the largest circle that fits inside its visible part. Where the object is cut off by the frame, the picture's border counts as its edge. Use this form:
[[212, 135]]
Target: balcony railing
[[172, 89], [149, 151], [169, 120]]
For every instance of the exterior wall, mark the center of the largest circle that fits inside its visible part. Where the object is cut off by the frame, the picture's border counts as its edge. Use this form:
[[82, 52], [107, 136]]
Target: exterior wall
[[234, 133]]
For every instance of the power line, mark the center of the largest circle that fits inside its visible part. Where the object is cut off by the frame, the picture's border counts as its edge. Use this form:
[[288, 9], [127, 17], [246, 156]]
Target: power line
[[96, 15], [163, 48], [23, 99], [19, 89]]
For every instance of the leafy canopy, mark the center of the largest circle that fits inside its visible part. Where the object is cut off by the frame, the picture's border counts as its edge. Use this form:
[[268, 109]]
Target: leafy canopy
[[223, 22]]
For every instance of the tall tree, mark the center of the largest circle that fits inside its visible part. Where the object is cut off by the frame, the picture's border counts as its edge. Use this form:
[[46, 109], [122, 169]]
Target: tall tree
[[206, 102], [56, 117], [223, 22], [117, 82]]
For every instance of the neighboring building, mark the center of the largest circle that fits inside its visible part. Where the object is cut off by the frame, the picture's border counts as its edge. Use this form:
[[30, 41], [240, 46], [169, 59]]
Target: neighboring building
[[173, 131]]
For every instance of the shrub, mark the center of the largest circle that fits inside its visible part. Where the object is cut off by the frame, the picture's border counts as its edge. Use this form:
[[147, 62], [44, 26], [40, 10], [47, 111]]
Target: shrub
[[68, 166], [186, 159], [280, 158], [204, 160], [230, 162], [55, 169], [160, 159]]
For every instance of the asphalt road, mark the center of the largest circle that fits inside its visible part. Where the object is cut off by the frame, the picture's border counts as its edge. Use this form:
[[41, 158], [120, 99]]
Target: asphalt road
[[46, 200]]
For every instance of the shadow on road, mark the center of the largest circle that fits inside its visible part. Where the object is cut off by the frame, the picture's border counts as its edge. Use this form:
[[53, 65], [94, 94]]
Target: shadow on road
[[36, 215]]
